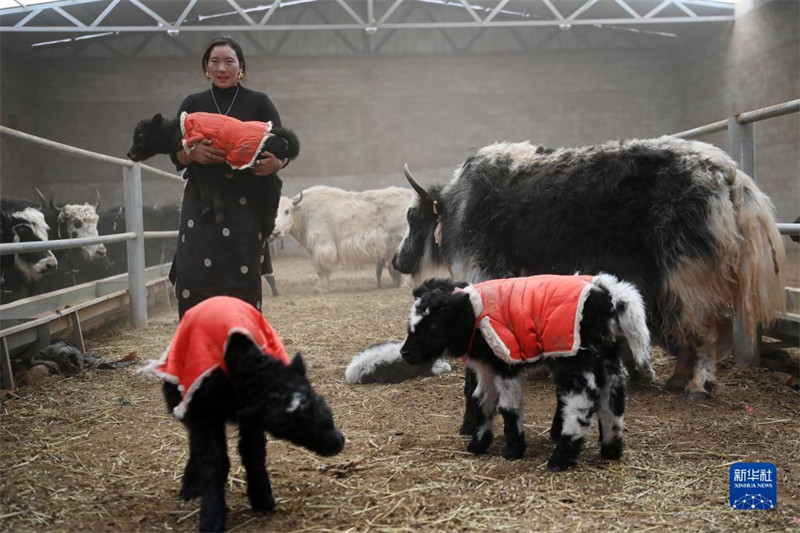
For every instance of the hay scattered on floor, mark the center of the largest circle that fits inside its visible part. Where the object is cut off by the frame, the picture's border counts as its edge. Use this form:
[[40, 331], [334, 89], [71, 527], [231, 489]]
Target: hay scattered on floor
[[98, 452]]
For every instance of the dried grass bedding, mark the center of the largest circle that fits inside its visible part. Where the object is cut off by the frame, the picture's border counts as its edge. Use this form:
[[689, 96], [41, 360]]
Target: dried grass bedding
[[98, 452]]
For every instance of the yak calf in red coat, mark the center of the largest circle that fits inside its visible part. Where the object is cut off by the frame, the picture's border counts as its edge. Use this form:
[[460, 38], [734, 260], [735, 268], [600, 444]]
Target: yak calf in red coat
[[577, 324], [226, 363]]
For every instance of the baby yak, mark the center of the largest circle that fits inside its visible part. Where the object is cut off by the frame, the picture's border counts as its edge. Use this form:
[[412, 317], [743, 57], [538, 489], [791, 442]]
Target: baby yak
[[226, 363], [577, 324], [242, 142]]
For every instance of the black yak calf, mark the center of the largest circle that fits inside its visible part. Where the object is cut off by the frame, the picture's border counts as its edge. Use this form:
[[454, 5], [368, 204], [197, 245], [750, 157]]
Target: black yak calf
[[578, 324], [242, 142], [226, 363]]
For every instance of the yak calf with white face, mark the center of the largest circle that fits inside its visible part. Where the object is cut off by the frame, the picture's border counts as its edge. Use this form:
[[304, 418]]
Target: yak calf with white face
[[578, 324]]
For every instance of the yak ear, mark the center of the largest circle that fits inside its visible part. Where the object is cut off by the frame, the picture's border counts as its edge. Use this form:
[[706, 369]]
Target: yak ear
[[240, 353], [298, 364], [430, 284]]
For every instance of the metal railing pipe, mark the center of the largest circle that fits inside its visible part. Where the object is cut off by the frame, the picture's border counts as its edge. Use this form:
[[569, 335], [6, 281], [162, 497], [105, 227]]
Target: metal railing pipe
[[714, 127], [61, 244], [777, 110], [80, 152], [132, 182]]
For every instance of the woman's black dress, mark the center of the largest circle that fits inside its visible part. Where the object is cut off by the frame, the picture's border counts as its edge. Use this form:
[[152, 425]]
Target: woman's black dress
[[226, 215]]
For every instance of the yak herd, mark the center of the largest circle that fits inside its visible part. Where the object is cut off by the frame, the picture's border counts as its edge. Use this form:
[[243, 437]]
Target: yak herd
[[575, 258]]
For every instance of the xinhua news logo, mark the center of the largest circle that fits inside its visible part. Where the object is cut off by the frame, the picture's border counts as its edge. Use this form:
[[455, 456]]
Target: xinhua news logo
[[753, 486]]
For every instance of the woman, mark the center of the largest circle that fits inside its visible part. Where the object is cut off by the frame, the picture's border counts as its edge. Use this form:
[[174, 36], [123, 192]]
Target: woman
[[226, 215]]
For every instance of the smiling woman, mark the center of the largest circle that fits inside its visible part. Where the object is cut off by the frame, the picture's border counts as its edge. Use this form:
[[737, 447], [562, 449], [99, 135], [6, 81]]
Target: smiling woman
[[226, 215]]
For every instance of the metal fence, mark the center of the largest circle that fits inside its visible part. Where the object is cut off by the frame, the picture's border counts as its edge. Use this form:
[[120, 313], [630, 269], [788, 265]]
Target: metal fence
[[135, 234]]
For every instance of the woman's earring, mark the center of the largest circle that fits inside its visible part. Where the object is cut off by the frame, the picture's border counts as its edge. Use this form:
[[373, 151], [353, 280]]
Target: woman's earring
[[240, 76]]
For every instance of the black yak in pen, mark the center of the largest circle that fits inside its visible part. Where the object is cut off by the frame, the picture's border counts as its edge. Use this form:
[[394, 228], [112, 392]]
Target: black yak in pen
[[675, 217]]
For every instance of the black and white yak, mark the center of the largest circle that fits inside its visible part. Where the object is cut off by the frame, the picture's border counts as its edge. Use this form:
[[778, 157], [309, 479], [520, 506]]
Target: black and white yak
[[21, 272], [578, 324], [227, 364], [675, 217]]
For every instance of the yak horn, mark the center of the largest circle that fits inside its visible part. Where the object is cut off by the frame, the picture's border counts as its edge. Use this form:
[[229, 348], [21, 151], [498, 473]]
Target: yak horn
[[97, 205], [42, 196], [298, 200], [417, 187], [54, 207]]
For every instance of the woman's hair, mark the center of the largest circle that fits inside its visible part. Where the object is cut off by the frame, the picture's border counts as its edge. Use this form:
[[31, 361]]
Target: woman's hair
[[224, 41]]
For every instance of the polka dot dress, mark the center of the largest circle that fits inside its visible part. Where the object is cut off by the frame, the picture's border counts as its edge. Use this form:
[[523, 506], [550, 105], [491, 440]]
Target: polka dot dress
[[223, 258]]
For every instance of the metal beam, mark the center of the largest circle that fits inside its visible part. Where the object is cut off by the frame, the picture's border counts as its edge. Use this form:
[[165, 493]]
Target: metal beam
[[440, 13]]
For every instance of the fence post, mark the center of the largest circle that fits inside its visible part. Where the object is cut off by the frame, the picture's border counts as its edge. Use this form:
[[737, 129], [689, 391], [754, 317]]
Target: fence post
[[137, 286], [741, 145]]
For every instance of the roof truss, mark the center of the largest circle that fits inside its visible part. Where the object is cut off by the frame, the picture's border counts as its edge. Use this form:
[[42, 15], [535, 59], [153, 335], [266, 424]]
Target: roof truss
[[94, 17]]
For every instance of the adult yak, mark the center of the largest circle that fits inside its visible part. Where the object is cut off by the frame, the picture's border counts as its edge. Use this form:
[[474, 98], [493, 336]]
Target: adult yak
[[673, 216]]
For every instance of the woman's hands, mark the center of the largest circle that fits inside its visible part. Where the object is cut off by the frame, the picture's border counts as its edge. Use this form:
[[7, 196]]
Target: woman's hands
[[267, 164], [203, 153]]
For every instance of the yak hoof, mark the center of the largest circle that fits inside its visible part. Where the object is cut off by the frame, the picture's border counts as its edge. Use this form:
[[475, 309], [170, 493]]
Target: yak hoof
[[559, 466], [675, 383], [265, 504], [612, 450], [514, 452], [479, 444], [695, 395], [642, 376]]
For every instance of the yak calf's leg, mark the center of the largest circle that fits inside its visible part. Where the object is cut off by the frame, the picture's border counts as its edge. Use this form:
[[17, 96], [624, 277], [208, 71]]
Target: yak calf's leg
[[253, 450], [190, 484], [472, 407], [576, 387], [611, 412], [558, 420], [510, 402], [209, 445], [486, 393]]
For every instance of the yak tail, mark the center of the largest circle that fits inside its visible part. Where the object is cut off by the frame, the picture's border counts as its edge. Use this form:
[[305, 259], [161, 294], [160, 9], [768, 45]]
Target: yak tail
[[762, 259], [630, 313]]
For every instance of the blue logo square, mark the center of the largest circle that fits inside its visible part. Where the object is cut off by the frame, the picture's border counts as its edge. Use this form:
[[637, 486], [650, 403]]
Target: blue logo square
[[753, 486]]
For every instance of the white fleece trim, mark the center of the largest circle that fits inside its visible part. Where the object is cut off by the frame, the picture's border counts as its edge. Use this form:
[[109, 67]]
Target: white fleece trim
[[183, 133], [264, 138], [181, 408], [151, 367]]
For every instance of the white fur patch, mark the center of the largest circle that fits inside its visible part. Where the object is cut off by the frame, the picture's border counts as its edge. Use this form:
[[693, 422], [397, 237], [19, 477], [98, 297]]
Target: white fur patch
[[35, 218], [416, 316], [385, 358], [577, 407], [297, 400]]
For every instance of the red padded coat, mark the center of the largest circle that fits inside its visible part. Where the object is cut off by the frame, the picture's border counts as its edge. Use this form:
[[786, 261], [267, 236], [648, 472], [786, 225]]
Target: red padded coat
[[198, 347], [241, 141], [525, 319]]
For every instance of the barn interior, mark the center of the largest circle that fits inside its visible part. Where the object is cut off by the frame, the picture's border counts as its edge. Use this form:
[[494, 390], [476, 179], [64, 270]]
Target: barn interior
[[369, 86]]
